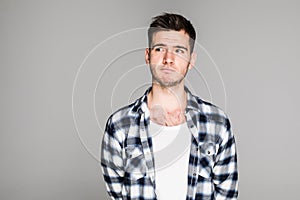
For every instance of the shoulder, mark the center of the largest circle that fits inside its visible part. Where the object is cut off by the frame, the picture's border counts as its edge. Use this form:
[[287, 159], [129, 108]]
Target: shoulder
[[213, 113], [122, 117], [128, 114], [119, 123]]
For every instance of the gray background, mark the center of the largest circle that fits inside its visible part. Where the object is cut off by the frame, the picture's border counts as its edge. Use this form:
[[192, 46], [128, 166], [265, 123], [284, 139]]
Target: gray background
[[255, 45]]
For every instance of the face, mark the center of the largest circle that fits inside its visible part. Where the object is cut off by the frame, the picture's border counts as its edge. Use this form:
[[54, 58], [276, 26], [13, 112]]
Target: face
[[169, 57]]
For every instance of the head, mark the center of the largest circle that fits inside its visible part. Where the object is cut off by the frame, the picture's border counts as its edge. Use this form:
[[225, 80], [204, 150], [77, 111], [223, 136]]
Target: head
[[170, 54], [175, 22]]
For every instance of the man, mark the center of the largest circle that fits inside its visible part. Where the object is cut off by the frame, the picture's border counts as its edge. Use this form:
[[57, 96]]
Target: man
[[132, 161]]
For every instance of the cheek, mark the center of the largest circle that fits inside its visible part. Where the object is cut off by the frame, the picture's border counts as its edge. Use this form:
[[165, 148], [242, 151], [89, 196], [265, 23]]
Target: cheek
[[155, 59], [183, 59]]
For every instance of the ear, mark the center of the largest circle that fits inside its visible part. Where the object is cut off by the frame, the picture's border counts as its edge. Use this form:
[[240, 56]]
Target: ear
[[193, 60], [147, 55]]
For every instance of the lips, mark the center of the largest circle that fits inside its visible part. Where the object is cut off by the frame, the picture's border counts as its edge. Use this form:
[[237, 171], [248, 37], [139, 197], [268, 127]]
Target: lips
[[167, 70]]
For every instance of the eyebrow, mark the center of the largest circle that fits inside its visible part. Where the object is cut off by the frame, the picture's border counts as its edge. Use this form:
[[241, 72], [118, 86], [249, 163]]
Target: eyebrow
[[160, 45], [181, 47], [164, 45]]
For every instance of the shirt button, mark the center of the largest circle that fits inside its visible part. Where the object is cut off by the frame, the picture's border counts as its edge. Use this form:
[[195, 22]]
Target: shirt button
[[208, 152], [192, 126], [194, 174]]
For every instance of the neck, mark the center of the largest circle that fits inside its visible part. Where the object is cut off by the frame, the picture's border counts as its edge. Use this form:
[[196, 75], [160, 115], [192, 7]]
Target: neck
[[168, 97], [167, 104]]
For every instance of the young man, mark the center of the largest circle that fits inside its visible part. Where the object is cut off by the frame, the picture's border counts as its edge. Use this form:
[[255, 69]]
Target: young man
[[137, 156]]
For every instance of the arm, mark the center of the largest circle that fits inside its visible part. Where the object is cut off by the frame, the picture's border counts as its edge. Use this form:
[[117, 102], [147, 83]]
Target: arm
[[225, 172], [112, 162]]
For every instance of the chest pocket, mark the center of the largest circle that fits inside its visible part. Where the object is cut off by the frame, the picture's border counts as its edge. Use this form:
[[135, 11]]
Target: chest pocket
[[135, 167], [207, 155]]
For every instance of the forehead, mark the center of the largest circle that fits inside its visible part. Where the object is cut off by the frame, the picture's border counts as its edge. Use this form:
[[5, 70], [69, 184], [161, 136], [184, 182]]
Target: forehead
[[171, 38]]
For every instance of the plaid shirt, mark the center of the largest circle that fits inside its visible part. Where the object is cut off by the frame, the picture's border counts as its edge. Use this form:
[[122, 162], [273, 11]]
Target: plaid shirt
[[127, 158]]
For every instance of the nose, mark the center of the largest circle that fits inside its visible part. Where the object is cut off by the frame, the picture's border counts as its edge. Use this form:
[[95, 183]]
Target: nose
[[168, 57]]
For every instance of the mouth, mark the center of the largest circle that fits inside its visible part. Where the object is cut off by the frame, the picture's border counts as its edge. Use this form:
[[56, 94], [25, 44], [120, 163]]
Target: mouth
[[167, 70]]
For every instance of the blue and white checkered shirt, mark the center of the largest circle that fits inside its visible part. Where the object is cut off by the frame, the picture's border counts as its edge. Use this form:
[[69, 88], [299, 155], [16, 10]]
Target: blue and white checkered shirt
[[128, 161]]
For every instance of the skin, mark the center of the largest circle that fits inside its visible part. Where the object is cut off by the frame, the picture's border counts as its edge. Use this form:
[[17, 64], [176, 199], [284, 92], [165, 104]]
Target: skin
[[169, 59]]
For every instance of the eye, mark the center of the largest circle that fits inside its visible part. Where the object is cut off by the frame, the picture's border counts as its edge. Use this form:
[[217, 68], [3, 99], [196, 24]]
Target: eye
[[180, 51], [159, 49]]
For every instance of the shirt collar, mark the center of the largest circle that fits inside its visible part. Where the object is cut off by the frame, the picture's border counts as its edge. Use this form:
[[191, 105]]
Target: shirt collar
[[141, 104]]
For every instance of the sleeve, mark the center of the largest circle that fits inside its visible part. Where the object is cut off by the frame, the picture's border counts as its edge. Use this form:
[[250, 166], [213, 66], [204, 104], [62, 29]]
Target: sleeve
[[112, 162], [225, 171]]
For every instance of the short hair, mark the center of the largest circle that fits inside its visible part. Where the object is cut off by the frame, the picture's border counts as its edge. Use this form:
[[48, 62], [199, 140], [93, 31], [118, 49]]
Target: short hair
[[170, 21]]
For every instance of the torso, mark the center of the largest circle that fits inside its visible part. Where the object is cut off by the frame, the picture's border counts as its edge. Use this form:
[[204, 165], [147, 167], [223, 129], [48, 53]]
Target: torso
[[171, 154]]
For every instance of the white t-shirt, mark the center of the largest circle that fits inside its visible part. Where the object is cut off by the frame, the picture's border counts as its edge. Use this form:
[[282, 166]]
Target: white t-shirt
[[171, 148]]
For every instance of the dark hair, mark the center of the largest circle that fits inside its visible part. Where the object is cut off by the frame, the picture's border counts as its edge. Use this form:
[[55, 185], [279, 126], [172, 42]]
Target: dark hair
[[170, 21]]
